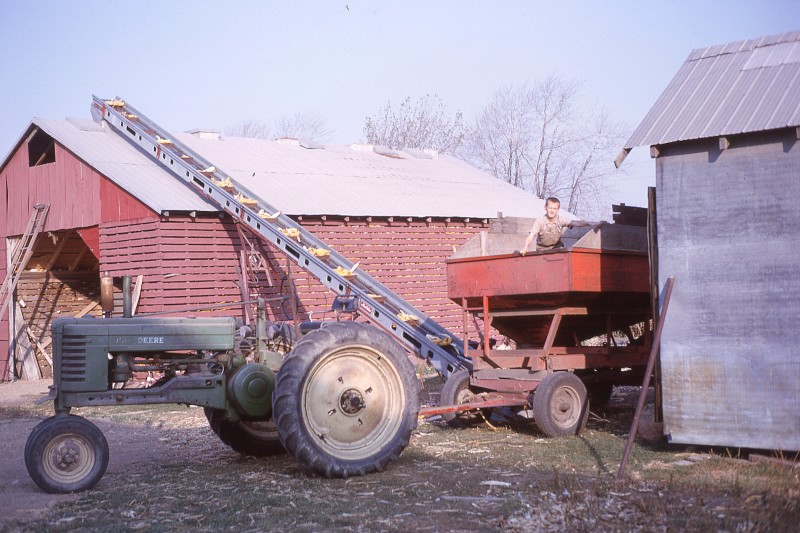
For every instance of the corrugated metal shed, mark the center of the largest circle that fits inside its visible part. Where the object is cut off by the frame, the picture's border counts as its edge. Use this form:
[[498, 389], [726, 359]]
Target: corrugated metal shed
[[301, 179], [746, 86], [728, 356]]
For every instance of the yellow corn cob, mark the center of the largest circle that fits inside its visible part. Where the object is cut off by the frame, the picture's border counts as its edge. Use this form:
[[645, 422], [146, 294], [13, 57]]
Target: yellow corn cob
[[319, 252], [292, 233], [440, 340], [226, 184], [405, 317], [249, 202], [266, 216]]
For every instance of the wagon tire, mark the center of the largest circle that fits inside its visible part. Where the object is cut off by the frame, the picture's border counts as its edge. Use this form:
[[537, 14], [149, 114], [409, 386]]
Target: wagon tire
[[346, 400], [456, 391], [560, 405], [257, 438], [66, 454]]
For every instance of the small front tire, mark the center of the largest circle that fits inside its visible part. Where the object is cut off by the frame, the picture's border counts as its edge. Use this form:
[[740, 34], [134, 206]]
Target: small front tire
[[66, 454]]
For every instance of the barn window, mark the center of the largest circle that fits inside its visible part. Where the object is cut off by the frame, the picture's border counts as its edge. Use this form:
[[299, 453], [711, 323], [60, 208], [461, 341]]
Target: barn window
[[41, 149]]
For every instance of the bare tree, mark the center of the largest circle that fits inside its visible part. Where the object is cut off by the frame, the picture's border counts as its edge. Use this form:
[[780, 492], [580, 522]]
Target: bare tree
[[300, 126], [535, 138], [303, 126], [249, 128], [426, 124]]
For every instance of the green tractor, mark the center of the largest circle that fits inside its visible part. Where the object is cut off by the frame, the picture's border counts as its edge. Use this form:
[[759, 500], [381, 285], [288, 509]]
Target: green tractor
[[343, 401]]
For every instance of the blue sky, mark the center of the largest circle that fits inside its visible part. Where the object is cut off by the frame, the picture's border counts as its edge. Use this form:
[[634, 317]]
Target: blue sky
[[189, 64]]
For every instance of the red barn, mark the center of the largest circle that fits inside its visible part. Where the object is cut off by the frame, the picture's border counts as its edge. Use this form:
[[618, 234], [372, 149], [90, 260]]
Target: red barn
[[113, 209]]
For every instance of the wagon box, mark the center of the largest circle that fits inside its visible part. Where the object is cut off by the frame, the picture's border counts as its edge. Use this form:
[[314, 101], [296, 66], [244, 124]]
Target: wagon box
[[582, 310]]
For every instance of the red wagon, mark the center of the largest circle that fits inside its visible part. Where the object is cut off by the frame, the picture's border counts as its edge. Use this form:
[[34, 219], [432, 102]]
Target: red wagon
[[568, 324]]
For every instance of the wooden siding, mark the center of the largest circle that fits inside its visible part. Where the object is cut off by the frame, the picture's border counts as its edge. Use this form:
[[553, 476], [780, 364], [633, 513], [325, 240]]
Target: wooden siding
[[193, 262], [185, 262], [407, 257], [70, 187], [49, 295], [79, 198]]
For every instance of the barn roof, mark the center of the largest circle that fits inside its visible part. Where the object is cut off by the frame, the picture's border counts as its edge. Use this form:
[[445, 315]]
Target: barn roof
[[300, 178], [740, 87]]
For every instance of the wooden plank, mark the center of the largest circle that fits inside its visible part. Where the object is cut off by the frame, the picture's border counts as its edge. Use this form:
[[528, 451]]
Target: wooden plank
[[25, 353], [39, 346], [62, 241], [137, 293], [86, 309]]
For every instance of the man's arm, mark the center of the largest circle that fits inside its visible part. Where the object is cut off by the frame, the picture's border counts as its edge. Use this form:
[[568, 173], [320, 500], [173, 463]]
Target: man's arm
[[583, 223], [537, 226]]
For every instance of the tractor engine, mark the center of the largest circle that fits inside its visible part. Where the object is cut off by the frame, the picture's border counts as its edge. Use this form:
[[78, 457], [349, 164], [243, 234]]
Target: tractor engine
[[199, 361]]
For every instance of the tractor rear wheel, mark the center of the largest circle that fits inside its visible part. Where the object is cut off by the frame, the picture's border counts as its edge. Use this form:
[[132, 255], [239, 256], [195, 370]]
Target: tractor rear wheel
[[258, 438], [346, 400], [560, 404], [456, 391], [66, 454]]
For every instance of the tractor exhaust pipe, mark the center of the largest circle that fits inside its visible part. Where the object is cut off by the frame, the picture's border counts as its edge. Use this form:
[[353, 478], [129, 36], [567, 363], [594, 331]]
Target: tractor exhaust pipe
[[127, 300]]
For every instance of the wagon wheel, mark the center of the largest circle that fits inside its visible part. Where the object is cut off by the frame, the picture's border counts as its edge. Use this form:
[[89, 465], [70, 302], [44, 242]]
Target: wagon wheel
[[66, 454], [258, 438], [455, 392], [346, 400], [560, 405]]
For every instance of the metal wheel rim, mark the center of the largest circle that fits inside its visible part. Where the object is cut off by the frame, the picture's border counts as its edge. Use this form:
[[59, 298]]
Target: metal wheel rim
[[463, 396], [353, 372], [68, 458], [565, 407]]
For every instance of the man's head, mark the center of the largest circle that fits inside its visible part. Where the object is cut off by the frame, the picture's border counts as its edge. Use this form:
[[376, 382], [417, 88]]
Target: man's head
[[551, 206]]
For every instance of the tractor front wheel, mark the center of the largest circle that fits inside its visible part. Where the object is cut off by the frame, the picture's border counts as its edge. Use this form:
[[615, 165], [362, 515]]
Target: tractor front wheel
[[346, 400], [66, 454]]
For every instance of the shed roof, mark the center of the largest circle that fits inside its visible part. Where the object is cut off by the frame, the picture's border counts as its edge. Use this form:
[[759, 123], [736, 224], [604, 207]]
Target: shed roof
[[300, 178], [740, 87]]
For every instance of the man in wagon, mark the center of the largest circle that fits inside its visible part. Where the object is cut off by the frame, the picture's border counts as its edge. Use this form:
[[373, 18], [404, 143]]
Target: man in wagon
[[548, 228]]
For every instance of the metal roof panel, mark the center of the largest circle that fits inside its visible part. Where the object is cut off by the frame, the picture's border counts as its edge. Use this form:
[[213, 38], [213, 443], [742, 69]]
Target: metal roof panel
[[332, 180], [124, 164], [342, 180], [738, 87]]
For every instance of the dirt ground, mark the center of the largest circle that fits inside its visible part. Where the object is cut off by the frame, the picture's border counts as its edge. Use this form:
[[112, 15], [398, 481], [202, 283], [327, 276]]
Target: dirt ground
[[21, 498], [168, 472]]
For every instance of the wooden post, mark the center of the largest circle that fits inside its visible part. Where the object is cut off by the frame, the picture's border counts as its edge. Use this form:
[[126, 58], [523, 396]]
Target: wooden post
[[26, 355]]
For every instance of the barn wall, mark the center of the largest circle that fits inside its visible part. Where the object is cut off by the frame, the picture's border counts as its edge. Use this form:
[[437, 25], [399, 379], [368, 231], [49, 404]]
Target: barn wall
[[68, 185], [189, 262], [407, 257], [79, 198], [727, 231], [49, 295], [184, 261]]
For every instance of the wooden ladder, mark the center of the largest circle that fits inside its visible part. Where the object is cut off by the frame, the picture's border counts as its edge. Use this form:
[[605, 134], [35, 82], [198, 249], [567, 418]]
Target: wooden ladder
[[22, 253]]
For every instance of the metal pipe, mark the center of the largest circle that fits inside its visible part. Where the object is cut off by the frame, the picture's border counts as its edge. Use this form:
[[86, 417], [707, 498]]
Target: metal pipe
[[107, 295], [127, 300], [646, 383]]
